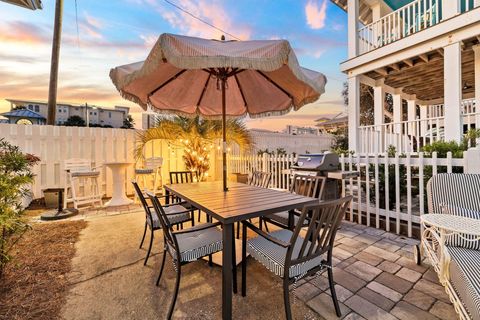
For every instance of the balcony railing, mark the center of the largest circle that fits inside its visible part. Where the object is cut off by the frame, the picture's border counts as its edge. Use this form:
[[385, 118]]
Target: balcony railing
[[412, 135], [409, 19]]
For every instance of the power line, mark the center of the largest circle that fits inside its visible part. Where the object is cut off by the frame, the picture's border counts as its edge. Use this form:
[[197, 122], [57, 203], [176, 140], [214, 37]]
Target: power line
[[225, 32], [200, 19]]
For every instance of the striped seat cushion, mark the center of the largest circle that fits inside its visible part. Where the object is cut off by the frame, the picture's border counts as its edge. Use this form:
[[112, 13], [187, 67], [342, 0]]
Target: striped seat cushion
[[85, 174], [273, 256], [143, 171], [172, 217], [198, 244], [282, 218], [465, 278], [462, 240]]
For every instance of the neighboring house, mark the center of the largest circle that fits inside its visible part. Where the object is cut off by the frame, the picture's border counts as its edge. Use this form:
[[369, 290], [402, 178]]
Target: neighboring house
[[333, 124], [296, 130], [425, 53], [94, 115], [23, 116]]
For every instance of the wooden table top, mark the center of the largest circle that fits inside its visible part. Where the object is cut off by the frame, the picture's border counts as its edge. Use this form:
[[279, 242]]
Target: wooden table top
[[240, 202]]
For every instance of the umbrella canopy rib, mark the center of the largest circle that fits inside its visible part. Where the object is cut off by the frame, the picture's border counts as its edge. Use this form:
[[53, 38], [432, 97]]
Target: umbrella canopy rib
[[241, 91], [275, 84], [167, 82], [204, 89]]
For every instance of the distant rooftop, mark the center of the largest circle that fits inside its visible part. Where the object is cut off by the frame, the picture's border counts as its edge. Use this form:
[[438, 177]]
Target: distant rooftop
[[23, 113]]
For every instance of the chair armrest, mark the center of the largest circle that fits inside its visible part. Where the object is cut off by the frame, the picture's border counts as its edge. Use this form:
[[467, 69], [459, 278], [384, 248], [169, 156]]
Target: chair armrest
[[175, 204], [198, 228], [266, 235], [178, 212]]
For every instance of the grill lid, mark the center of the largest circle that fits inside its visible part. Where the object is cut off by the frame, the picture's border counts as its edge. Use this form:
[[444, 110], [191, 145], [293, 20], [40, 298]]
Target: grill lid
[[317, 162]]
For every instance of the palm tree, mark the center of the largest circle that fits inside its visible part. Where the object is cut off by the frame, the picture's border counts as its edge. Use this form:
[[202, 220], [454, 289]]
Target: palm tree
[[196, 136]]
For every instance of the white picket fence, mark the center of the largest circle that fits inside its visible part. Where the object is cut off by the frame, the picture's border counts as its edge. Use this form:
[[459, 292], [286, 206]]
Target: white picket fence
[[401, 178], [55, 144]]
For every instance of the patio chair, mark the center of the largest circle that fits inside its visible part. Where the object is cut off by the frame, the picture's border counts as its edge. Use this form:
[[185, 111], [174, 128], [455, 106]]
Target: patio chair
[[188, 245], [79, 174], [176, 213], [258, 179], [177, 177], [290, 256], [456, 258], [309, 186]]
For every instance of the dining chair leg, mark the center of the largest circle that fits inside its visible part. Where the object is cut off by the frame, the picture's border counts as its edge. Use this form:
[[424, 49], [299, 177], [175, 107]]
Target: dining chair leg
[[238, 230], [149, 248], [333, 293], [260, 223], [144, 233], [266, 225], [162, 266], [210, 261], [193, 218], [244, 260], [200, 215], [234, 264], [175, 293], [286, 299]]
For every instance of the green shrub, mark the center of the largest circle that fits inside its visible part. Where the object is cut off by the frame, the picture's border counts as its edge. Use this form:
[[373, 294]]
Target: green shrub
[[15, 176]]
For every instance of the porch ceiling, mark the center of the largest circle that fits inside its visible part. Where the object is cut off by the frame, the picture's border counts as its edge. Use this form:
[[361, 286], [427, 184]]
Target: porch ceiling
[[364, 12], [423, 75]]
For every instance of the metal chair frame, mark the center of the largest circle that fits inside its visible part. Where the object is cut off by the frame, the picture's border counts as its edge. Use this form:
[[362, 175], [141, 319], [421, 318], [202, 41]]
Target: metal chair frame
[[170, 239], [323, 222], [148, 215], [177, 177], [308, 186]]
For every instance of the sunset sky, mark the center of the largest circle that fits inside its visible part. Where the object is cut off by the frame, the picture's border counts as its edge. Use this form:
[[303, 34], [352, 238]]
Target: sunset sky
[[112, 33]]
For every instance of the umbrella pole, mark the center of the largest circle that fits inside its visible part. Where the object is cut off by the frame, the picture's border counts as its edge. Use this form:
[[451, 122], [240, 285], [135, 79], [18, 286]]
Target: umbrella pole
[[224, 134]]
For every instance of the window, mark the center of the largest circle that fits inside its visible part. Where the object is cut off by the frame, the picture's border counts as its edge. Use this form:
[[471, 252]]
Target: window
[[95, 113], [90, 112], [59, 110], [37, 108], [109, 114], [30, 107]]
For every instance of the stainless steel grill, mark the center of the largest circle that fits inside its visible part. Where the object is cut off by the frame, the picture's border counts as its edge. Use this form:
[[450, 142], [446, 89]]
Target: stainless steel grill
[[323, 164]]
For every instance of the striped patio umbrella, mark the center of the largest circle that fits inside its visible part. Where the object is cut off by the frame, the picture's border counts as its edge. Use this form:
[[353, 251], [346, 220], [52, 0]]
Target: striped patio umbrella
[[219, 79], [29, 4]]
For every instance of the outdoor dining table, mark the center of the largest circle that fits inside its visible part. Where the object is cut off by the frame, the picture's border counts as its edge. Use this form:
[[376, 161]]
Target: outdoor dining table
[[239, 203]]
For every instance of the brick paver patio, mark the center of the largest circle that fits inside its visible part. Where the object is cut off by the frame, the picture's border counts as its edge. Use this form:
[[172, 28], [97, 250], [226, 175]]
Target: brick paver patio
[[377, 279]]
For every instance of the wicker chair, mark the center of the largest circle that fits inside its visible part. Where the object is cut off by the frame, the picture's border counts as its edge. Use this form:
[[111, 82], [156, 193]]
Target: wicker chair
[[309, 186], [187, 245], [292, 257], [456, 258], [177, 215]]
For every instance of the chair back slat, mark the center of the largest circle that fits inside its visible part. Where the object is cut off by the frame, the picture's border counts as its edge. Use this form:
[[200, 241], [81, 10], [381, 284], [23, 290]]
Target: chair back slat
[[166, 226], [308, 186], [142, 200], [178, 177], [78, 165], [260, 179], [323, 220]]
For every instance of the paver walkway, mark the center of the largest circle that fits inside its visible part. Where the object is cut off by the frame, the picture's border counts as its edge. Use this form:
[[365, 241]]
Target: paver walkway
[[375, 276]]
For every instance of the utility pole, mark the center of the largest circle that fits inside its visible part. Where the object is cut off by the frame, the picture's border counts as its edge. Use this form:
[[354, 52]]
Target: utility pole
[[52, 90]]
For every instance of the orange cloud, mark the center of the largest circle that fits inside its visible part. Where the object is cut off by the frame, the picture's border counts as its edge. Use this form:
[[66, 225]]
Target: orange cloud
[[316, 14], [23, 32]]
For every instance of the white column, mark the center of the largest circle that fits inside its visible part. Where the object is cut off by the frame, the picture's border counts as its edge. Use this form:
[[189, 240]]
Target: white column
[[423, 123], [397, 112], [353, 113], [352, 28], [476, 3], [379, 106], [453, 92], [476, 50], [412, 115], [450, 8]]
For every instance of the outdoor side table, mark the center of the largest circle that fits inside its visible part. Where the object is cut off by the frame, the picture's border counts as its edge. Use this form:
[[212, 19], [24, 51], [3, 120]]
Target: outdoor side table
[[446, 225], [119, 198]]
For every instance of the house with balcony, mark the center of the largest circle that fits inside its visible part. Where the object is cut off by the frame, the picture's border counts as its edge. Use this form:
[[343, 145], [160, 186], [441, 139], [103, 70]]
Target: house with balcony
[[426, 55]]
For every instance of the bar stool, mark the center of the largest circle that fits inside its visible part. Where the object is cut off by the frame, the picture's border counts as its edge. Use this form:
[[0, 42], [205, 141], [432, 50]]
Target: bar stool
[[152, 170]]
